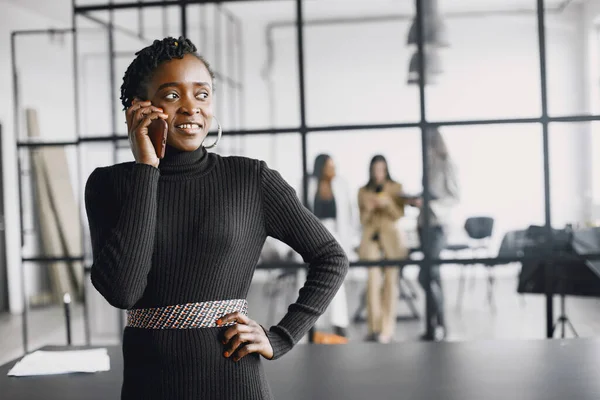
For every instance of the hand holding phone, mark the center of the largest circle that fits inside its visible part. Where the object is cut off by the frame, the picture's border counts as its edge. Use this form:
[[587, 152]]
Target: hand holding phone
[[140, 116]]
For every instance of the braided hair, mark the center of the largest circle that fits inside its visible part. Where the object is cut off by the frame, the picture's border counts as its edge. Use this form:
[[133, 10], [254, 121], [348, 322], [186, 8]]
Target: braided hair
[[139, 72]]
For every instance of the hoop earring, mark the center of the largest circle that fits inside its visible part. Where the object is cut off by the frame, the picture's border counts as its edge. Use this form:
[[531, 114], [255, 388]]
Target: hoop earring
[[219, 134]]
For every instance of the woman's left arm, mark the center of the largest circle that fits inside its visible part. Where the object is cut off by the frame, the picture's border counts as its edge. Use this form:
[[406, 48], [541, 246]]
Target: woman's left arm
[[288, 220], [394, 207]]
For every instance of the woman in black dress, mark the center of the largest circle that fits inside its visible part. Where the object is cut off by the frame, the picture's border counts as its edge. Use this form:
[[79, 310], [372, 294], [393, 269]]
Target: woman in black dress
[[176, 240]]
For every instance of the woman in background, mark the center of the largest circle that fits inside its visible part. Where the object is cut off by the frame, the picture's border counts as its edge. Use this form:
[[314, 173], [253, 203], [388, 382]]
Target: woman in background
[[330, 200], [444, 190], [381, 206]]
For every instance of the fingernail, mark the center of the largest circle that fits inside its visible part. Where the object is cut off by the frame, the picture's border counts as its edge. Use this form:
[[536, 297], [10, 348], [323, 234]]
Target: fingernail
[[219, 322], [226, 354], [236, 359]]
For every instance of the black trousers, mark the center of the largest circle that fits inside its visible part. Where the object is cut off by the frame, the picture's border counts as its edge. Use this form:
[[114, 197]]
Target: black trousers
[[437, 238]]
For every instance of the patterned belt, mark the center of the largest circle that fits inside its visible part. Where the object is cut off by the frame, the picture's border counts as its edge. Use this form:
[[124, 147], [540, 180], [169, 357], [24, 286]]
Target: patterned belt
[[185, 316]]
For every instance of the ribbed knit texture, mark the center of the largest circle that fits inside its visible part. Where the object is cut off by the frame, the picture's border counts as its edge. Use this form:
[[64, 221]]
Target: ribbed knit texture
[[190, 231]]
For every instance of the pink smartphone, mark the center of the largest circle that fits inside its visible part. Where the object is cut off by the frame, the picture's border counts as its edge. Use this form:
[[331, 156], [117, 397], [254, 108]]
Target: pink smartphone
[[157, 131]]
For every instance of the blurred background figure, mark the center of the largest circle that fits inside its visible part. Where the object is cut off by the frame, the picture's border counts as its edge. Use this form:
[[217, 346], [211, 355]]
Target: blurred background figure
[[380, 208], [330, 200], [444, 190]]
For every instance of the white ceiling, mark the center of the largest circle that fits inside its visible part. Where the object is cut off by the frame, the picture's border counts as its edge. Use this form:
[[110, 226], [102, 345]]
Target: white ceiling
[[60, 10]]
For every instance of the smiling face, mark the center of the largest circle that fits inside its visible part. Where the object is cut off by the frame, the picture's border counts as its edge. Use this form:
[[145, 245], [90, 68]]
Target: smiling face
[[183, 89]]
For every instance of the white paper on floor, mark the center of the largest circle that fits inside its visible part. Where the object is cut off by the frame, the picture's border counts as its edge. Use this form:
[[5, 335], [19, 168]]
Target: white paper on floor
[[43, 362]]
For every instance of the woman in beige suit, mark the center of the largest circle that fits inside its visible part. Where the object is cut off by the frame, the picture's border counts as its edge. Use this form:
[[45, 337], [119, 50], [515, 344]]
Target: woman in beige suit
[[381, 205]]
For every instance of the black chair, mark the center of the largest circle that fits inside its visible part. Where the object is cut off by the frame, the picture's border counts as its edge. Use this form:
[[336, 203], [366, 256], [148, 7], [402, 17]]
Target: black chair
[[479, 230]]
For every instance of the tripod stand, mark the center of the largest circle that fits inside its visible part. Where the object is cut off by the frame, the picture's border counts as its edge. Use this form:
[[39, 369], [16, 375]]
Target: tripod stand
[[563, 321]]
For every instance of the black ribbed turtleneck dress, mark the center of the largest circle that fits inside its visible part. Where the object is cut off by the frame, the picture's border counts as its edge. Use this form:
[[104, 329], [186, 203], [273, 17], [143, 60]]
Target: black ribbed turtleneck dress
[[190, 231]]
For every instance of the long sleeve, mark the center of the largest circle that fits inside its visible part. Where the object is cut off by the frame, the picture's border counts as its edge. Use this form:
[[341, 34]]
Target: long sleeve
[[395, 209], [122, 233], [365, 213], [288, 220]]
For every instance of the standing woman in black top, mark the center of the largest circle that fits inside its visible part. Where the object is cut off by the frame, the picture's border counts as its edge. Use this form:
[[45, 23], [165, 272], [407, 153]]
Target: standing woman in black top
[[176, 240]]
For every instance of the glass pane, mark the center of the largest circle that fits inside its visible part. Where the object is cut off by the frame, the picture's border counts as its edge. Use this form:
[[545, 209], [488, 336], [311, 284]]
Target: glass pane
[[495, 177], [281, 152], [256, 66], [48, 91], [595, 148], [95, 95], [490, 70], [572, 173], [357, 62], [571, 61], [497, 170]]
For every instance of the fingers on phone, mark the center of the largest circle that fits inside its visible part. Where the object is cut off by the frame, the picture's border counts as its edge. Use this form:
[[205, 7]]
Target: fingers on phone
[[147, 120]]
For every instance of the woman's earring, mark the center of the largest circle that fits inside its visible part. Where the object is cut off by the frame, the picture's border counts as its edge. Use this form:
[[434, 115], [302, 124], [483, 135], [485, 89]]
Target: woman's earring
[[219, 133]]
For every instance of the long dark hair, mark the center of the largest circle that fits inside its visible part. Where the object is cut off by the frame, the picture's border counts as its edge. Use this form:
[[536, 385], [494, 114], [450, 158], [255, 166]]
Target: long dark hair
[[371, 184], [437, 144], [319, 165]]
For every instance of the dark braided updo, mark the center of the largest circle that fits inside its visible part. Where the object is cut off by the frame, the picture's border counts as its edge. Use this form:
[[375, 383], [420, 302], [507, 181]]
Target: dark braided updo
[[139, 72]]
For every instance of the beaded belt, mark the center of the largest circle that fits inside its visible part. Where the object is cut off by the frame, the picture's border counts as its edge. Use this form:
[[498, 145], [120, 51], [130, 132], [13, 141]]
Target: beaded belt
[[185, 316]]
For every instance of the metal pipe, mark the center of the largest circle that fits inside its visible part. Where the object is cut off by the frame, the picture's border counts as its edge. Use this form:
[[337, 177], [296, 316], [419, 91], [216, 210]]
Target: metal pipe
[[117, 28], [34, 144], [230, 72], [112, 80], [67, 310], [202, 17], [42, 31], [426, 244], [184, 19], [17, 124], [25, 316], [548, 265], [140, 21], [16, 107], [50, 260], [302, 104], [391, 263], [240, 77], [217, 33], [165, 21], [104, 7]]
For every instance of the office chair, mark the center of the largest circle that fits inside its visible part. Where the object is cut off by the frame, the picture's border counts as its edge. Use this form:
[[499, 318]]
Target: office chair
[[479, 230]]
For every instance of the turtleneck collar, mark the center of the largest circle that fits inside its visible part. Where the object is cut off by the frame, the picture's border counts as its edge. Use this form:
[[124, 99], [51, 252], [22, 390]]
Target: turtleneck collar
[[180, 163]]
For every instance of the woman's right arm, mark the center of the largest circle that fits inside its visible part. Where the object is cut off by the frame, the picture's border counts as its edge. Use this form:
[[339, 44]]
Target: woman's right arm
[[122, 233], [123, 229]]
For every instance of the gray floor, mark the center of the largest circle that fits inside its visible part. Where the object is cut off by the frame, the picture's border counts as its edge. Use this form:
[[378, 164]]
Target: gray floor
[[516, 316]]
